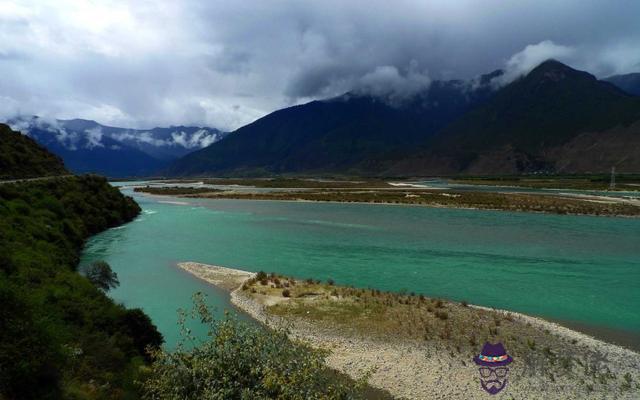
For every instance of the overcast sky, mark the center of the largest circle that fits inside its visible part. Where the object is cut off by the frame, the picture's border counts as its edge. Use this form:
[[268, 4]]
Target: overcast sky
[[225, 63]]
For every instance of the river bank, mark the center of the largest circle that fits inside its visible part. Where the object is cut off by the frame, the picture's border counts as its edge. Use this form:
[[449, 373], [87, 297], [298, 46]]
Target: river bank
[[416, 347], [560, 203]]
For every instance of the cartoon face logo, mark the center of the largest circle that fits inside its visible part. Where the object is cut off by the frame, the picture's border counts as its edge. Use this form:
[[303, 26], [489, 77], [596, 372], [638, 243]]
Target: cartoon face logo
[[492, 364]]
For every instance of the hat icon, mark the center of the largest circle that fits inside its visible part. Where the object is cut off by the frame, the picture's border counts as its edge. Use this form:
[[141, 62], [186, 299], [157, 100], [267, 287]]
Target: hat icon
[[493, 355]]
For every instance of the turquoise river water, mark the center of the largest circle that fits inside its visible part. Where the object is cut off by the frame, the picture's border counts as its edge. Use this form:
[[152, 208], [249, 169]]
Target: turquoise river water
[[583, 271]]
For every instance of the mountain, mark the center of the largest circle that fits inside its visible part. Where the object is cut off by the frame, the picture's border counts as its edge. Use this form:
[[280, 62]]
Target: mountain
[[22, 157], [537, 124], [345, 134], [630, 83], [87, 146], [553, 120]]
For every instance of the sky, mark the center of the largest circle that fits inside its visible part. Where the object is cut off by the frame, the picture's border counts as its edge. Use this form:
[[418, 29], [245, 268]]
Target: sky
[[140, 64]]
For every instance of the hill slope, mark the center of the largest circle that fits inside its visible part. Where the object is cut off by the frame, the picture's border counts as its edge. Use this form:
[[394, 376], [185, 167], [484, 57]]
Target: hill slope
[[536, 124], [61, 336], [630, 83], [350, 133], [22, 157]]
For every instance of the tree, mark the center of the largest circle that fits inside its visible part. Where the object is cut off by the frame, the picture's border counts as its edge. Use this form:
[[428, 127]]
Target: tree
[[102, 276], [243, 361]]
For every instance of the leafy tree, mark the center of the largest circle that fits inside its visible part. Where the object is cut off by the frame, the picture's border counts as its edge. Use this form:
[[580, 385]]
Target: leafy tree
[[102, 276]]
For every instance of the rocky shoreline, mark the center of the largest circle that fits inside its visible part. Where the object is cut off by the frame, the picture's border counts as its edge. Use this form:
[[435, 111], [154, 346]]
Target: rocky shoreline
[[415, 369]]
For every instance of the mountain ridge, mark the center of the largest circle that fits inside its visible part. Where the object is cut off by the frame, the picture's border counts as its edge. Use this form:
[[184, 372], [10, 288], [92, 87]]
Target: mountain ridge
[[90, 147], [339, 134], [526, 126]]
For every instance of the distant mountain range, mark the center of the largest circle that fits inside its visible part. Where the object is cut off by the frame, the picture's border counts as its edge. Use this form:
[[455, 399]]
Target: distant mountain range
[[553, 120], [351, 133], [630, 83], [87, 146]]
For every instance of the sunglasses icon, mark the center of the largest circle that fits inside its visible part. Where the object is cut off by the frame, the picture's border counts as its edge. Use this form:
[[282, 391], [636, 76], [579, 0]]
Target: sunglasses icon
[[500, 372]]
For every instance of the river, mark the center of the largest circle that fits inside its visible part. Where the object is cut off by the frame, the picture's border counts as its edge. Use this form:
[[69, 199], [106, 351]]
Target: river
[[583, 271]]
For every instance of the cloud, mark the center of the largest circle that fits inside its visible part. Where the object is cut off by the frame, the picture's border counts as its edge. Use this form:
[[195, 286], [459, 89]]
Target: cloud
[[141, 137], [199, 139], [530, 57], [94, 137], [388, 83], [148, 63]]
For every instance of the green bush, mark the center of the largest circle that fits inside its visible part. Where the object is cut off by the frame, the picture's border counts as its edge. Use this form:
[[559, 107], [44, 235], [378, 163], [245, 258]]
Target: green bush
[[242, 361]]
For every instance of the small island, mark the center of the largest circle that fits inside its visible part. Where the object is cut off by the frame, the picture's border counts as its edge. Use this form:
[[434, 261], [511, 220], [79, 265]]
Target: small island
[[379, 192]]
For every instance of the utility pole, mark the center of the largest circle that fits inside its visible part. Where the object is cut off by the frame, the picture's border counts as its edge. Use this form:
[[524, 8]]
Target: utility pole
[[612, 184]]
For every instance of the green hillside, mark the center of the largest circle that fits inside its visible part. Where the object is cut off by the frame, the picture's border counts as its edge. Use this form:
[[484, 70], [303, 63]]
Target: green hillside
[[22, 157], [60, 336]]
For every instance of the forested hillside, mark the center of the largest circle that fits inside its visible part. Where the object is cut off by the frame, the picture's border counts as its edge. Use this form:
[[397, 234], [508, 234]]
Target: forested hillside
[[61, 336], [22, 157]]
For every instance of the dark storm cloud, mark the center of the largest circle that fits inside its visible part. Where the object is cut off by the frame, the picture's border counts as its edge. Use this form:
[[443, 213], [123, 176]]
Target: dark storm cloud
[[224, 64]]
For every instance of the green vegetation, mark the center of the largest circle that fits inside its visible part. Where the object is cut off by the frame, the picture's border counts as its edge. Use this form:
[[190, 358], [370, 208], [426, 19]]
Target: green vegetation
[[242, 361], [556, 204], [101, 275], [397, 317], [21, 157], [173, 190], [300, 183], [60, 335]]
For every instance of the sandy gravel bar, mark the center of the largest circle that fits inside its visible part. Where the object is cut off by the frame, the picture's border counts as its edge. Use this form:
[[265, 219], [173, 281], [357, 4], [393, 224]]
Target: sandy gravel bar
[[432, 370], [225, 278]]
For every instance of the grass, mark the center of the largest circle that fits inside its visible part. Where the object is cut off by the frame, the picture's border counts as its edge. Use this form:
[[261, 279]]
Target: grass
[[400, 316], [299, 183]]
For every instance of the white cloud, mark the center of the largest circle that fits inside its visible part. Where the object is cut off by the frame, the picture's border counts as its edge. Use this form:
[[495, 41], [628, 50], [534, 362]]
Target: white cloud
[[142, 137], [147, 63], [94, 137], [389, 83], [200, 138], [530, 57]]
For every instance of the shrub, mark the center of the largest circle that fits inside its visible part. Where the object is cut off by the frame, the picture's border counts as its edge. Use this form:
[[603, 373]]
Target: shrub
[[243, 361], [264, 282], [286, 293], [443, 315], [531, 344], [261, 275], [330, 282]]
